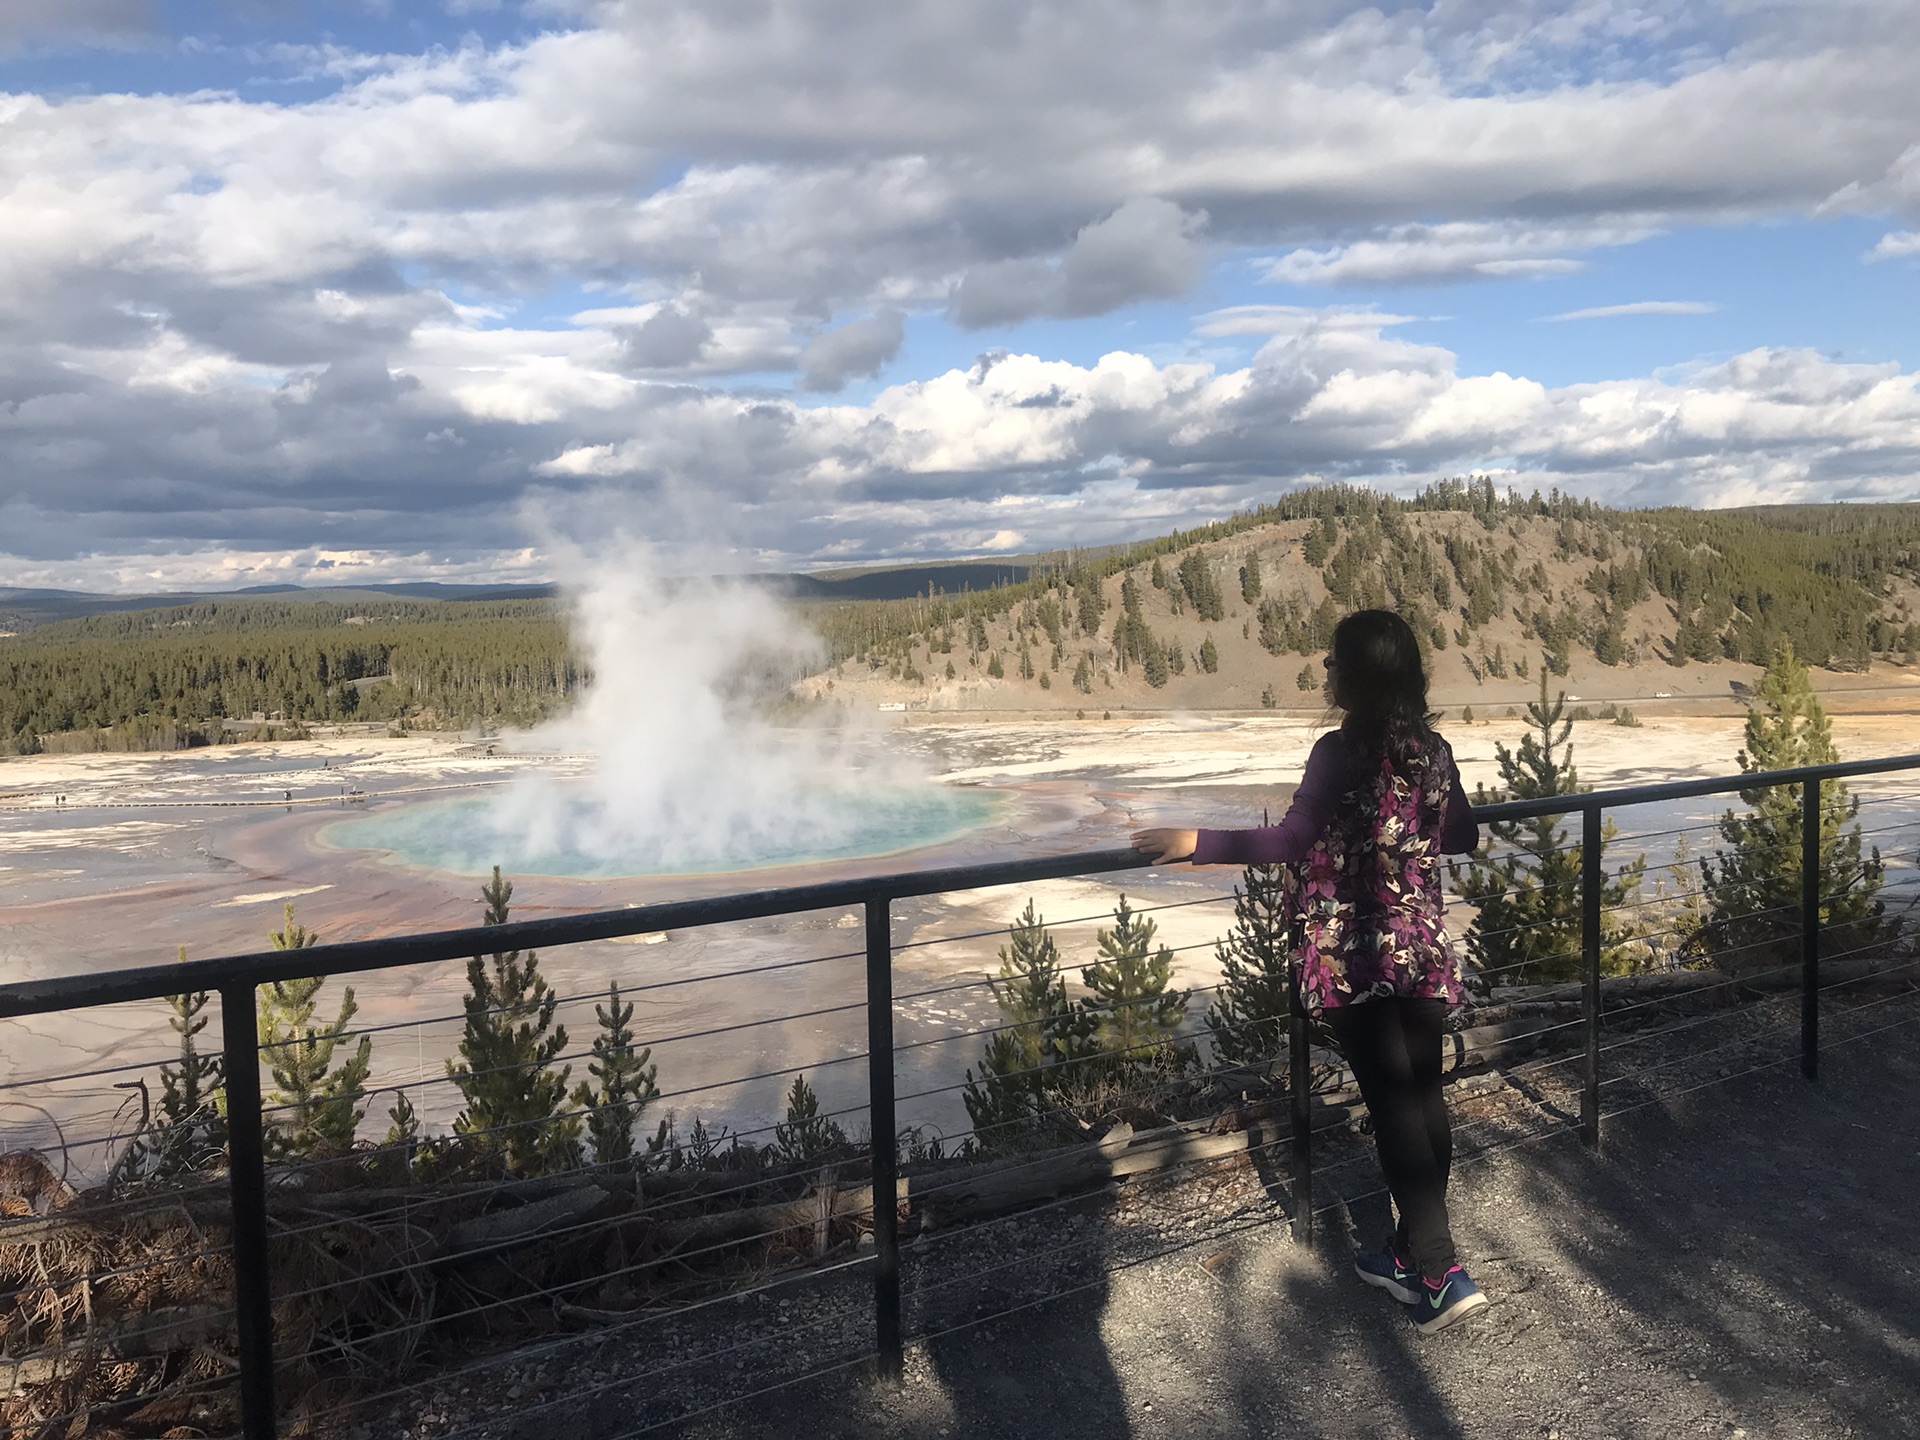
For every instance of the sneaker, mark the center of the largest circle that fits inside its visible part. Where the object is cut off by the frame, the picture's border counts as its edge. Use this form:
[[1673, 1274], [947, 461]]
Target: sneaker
[[1453, 1298], [1387, 1268]]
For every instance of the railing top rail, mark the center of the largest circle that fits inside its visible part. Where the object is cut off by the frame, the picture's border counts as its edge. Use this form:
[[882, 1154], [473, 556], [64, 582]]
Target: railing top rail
[[1626, 795], [152, 982]]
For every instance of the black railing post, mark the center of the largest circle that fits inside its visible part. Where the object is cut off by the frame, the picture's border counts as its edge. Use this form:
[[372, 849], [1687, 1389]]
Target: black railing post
[[1810, 930], [1592, 872], [1299, 1094], [886, 1167], [247, 1179]]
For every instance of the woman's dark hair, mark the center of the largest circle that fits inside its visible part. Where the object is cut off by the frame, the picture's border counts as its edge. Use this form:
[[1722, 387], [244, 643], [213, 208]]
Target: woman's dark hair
[[1381, 684]]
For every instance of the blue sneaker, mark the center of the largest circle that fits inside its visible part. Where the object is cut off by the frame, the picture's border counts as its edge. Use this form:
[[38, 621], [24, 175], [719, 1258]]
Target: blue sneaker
[[1453, 1298], [1388, 1269]]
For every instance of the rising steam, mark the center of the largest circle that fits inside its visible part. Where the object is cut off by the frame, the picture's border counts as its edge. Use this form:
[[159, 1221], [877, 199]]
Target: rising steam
[[688, 774]]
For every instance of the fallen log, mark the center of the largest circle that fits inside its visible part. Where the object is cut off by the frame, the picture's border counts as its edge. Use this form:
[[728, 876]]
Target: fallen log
[[807, 1217], [1835, 972], [1622, 989], [1123, 1153], [151, 1335], [500, 1229], [1615, 989], [995, 1189]]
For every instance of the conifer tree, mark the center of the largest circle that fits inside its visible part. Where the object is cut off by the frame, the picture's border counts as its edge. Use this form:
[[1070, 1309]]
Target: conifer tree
[[805, 1134], [1132, 639], [1250, 579], [1752, 885], [1527, 892], [190, 1129], [1036, 1055], [192, 1091], [1249, 1014], [312, 1106], [1155, 664], [1319, 542], [1134, 1014], [1209, 655], [515, 1104], [1196, 579], [404, 1131], [624, 1082], [1089, 602]]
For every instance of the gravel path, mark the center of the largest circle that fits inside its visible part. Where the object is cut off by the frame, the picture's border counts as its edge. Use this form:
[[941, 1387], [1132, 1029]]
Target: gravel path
[[1729, 1266]]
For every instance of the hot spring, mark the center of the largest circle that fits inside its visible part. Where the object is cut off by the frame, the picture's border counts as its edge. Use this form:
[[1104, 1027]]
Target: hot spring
[[569, 835]]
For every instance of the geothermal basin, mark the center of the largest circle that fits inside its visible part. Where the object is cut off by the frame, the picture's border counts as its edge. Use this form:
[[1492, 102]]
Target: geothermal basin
[[112, 861]]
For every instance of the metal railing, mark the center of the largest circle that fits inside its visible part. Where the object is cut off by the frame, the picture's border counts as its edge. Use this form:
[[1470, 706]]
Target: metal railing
[[236, 979]]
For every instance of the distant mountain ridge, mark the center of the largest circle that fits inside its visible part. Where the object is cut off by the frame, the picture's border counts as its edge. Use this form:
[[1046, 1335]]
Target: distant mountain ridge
[[25, 608], [22, 609]]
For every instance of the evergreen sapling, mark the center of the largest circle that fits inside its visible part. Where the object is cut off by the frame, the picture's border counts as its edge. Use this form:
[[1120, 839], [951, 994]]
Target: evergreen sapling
[[1751, 886], [312, 1107], [624, 1083], [1134, 1014], [1527, 890], [1249, 1015], [515, 1104], [1030, 1060], [805, 1134]]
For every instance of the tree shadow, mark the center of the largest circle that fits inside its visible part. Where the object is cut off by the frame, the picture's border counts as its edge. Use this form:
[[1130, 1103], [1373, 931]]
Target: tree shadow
[[1735, 1257], [1754, 1236]]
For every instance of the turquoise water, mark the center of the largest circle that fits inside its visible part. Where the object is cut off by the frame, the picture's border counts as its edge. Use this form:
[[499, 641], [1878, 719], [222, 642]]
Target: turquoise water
[[573, 834]]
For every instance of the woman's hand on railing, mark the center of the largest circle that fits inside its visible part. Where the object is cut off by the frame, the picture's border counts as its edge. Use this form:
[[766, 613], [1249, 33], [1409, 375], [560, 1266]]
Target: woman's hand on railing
[[1164, 847]]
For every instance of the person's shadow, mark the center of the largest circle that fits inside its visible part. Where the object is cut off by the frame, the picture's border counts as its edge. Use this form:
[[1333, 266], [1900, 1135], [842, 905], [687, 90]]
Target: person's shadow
[[1014, 1339]]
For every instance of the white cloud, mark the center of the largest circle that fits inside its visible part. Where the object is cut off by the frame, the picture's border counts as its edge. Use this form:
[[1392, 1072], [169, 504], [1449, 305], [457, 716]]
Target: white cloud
[[1462, 250], [1292, 320], [853, 351], [236, 319], [1145, 250], [1089, 446], [1637, 307], [1896, 245]]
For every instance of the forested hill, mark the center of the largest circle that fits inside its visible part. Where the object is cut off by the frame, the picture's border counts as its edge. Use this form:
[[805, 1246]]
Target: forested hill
[[1228, 615], [158, 679], [1494, 579]]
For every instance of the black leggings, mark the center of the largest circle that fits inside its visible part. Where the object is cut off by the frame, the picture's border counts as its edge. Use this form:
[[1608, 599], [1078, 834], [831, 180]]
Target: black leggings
[[1393, 1045]]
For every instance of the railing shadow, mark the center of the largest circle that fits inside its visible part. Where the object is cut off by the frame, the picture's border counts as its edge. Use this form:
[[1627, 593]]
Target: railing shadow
[[1755, 1235]]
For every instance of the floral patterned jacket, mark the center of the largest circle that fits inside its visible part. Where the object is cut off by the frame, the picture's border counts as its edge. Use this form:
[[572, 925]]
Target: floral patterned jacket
[[1364, 842]]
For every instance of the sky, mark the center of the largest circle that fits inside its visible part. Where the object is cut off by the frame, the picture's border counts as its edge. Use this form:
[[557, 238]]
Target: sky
[[360, 290]]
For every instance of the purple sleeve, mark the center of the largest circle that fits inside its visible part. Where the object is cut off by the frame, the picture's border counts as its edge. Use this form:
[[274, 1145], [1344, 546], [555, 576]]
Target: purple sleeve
[[1459, 831], [1321, 786]]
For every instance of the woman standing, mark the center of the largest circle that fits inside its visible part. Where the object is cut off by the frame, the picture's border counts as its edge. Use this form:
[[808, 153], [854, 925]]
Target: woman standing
[[1378, 805]]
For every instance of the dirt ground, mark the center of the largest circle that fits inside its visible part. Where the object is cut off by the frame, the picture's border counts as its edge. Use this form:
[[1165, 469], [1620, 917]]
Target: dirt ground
[[1730, 1265]]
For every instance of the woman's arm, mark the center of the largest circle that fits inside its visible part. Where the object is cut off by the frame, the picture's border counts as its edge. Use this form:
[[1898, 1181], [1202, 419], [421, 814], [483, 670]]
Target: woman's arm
[[1306, 817]]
